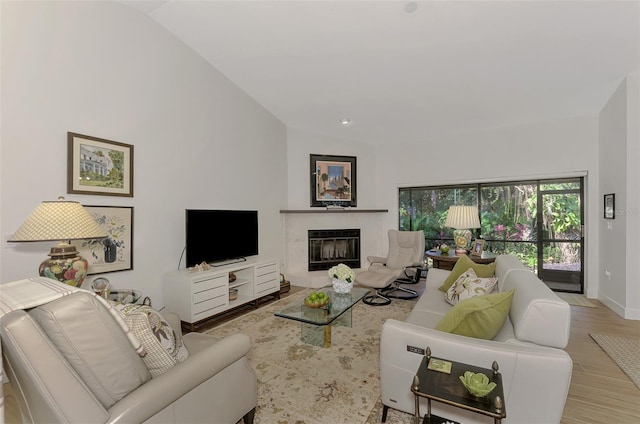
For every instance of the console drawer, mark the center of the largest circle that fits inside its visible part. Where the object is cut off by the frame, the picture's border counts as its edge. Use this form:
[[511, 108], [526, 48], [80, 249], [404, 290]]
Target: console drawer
[[266, 273], [210, 283]]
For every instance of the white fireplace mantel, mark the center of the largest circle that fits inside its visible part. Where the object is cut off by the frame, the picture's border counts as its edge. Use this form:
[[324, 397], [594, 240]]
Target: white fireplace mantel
[[297, 223]]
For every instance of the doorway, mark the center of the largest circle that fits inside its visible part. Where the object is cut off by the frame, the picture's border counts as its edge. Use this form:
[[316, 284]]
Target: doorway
[[559, 225]]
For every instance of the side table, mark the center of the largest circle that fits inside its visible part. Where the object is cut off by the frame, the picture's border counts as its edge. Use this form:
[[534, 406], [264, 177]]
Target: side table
[[447, 388], [447, 260]]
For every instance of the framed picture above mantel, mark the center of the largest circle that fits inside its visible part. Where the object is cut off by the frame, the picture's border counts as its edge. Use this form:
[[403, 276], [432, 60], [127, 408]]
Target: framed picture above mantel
[[333, 181]]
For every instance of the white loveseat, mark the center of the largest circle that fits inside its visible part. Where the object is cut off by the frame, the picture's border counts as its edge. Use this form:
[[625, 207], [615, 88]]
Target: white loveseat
[[536, 372]]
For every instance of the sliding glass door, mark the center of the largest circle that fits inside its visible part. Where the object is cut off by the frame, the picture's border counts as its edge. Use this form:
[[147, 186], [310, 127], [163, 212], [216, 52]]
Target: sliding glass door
[[539, 221]]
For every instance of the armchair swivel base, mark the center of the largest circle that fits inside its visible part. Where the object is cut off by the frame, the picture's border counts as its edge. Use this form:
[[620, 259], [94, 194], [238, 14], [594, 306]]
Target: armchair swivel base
[[378, 282]]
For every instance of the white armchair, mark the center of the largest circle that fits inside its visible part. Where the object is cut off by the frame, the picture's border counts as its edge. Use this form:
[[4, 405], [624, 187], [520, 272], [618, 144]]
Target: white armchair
[[70, 361], [402, 265]]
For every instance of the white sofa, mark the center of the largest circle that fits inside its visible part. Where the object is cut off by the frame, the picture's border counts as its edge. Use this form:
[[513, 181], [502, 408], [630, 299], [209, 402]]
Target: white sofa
[[536, 372]]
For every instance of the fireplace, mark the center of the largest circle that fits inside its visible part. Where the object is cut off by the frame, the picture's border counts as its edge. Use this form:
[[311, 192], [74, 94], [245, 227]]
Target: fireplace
[[331, 247]]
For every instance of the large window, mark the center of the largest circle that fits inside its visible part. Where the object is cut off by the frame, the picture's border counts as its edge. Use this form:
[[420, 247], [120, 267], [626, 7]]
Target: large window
[[540, 221]]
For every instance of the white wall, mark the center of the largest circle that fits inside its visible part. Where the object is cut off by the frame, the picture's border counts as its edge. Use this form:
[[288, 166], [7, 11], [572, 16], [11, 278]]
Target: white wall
[[300, 145], [619, 148], [551, 149], [103, 69], [632, 211]]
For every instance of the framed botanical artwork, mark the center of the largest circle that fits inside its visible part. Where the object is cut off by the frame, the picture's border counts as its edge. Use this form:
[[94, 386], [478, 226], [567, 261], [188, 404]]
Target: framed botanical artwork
[[115, 252], [610, 206], [478, 247], [333, 181], [99, 166]]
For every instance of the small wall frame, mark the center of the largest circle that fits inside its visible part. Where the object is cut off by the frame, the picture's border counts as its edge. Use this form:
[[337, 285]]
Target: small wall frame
[[610, 206]]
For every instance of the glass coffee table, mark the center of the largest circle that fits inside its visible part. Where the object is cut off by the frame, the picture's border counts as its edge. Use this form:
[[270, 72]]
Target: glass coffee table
[[316, 323]]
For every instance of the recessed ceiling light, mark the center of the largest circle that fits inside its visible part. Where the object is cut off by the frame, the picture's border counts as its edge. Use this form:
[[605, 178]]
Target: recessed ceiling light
[[345, 121]]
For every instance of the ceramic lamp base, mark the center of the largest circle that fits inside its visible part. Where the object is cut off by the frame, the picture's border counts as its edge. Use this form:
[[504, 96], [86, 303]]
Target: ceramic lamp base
[[65, 265], [463, 240]]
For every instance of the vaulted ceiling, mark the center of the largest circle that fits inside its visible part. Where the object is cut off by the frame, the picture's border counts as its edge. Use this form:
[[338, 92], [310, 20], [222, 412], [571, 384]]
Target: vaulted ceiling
[[413, 71]]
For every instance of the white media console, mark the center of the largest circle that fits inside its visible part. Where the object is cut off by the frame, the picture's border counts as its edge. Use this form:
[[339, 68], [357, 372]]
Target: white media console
[[199, 295]]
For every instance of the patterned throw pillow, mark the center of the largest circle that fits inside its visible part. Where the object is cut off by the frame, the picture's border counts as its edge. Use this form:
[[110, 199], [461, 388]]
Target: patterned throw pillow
[[164, 348], [469, 285], [464, 263], [450, 293]]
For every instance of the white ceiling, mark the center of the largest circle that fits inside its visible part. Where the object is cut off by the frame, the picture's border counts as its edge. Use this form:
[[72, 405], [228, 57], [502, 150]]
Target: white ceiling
[[447, 67]]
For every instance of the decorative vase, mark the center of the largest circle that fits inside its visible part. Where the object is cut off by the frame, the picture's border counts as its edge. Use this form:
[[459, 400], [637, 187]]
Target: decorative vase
[[110, 251], [341, 286]]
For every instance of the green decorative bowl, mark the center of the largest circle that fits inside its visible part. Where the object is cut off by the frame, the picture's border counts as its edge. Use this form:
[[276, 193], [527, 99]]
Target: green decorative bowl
[[444, 249], [477, 383]]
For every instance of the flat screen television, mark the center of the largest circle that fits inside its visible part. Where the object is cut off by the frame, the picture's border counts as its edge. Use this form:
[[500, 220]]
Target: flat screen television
[[220, 235]]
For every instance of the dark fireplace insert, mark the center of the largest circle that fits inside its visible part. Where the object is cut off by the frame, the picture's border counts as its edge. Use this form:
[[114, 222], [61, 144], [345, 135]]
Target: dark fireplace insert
[[331, 247]]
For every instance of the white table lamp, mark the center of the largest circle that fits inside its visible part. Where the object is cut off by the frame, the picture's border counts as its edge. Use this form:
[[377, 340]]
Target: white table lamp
[[462, 219]]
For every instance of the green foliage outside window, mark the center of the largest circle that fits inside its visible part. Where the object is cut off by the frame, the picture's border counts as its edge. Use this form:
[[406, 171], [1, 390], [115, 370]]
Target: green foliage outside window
[[509, 217]]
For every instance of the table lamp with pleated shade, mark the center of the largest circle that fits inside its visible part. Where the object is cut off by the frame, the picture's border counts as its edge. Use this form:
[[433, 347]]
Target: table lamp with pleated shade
[[61, 220], [462, 219]]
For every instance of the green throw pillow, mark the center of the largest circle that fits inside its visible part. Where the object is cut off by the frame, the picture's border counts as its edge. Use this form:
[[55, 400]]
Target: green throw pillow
[[462, 265], [481, 317]]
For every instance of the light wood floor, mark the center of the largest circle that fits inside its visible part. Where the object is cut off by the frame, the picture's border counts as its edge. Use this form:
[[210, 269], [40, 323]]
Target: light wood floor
[[600, 392]]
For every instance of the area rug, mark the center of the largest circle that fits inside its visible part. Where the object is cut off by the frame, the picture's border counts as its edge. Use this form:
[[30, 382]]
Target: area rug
[[303, 384], [577, 299], [625, 353]]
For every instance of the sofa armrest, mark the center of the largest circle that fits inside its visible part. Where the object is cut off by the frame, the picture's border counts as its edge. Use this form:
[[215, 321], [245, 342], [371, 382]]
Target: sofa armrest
[[536, 379], [173, 320], [155, 395]]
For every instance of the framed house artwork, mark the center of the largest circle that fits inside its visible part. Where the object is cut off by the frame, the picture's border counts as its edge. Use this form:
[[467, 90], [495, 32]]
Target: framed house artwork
[[115, 252], [99, 166], [333, 181]]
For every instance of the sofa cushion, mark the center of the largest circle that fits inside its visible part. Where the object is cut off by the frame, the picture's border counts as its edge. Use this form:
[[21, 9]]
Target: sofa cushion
[[93, 343], [469, 285], [164, 348], [464, 263], [481, 317]]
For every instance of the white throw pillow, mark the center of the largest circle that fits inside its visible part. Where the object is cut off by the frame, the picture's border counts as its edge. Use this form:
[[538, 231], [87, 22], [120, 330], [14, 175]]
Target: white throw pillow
[[469, 285], [164, 347]]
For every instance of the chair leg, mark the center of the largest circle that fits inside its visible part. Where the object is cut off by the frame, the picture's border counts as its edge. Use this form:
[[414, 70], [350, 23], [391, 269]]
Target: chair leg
[[249, 416], [411, 294], [376, 299], [385, 409]]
